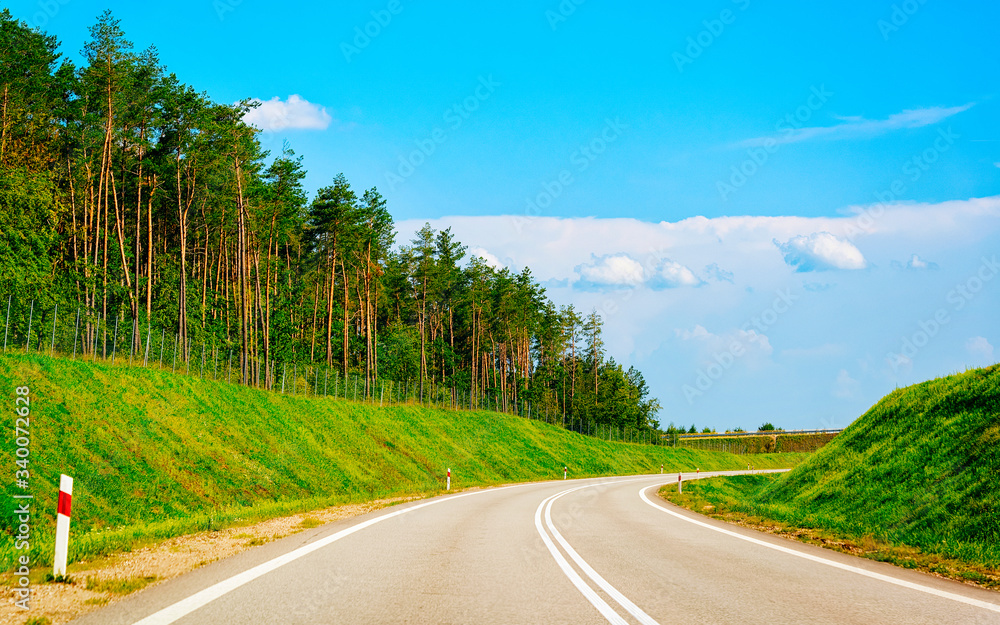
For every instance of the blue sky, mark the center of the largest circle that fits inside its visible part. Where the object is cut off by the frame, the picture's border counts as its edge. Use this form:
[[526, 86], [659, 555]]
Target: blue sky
[[839, 162]]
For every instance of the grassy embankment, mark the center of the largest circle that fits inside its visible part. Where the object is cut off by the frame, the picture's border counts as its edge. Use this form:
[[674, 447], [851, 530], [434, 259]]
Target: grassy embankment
[[915, 481], [155, 455]]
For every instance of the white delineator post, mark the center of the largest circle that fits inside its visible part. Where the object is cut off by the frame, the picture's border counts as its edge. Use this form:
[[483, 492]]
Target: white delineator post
[[565, 472], [661, 469], [449, 479], [679, 491], [63, 510]]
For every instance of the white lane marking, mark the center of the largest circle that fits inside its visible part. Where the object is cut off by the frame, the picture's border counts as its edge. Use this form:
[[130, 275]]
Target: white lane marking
[[602, 606], [186, 606], [632, 608], [846, 567]]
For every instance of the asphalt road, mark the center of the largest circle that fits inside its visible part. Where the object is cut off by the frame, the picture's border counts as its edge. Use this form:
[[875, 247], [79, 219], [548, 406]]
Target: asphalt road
[[577, 551]]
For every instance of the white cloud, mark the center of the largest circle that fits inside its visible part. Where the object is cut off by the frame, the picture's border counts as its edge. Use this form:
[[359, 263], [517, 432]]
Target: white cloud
[[698, 332], [618, 270], [736, 342], [851, 127], [719, 274], [622, 270], [821, 251], [670, 275], [915, 263], [294, 114], [491, 259], [979, 347]]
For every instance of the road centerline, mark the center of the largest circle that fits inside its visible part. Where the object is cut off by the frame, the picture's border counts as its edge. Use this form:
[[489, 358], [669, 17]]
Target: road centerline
[[606, 586], [544, 510]]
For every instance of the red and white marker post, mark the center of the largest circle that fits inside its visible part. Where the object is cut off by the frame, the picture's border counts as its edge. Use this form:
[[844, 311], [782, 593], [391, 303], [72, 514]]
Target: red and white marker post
[[565, 472], [449, 479], [63, 510], [679, 488], [661, 469]]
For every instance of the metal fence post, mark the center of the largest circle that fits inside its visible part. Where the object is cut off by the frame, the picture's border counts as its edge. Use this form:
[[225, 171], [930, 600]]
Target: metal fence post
[[76, 332], [55, 315], [114, 342], [131, 354], [27, 342], [6, 325], [97, 331]]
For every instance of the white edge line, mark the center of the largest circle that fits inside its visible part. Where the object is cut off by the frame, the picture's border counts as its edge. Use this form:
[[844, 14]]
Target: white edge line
[[188, 605], [846, 567], [615, 594]]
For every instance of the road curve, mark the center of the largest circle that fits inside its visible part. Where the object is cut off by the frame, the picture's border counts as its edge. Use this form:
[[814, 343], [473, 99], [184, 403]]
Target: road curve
[[578, 551]]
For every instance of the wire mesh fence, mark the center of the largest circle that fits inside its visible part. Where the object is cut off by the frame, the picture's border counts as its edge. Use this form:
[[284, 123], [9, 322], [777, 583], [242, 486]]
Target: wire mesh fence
[[120, 339]]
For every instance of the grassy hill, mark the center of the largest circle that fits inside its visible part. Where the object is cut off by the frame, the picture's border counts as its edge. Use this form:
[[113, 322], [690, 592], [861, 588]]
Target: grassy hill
[[155, 455], [920, 469]]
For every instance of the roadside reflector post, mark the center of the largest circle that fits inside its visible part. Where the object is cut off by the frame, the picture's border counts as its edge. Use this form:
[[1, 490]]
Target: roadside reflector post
[[449, 479], [565, 472], [661, 469], [63, 510], [679, 488]]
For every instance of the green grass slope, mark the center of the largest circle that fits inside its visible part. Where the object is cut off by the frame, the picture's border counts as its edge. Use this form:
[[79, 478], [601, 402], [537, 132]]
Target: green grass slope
[[920, 468], [154, 455]]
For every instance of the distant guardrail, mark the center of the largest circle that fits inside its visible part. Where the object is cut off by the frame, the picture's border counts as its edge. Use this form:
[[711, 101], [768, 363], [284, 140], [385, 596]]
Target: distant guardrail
[[757, 433]]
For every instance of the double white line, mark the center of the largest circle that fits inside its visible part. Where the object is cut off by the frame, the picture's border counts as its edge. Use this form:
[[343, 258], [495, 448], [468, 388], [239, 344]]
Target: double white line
[[544, 513]]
